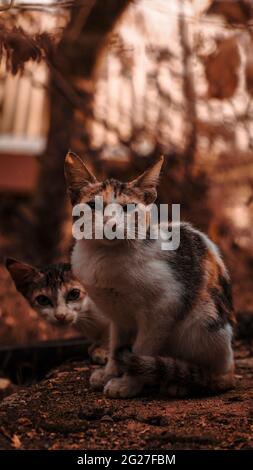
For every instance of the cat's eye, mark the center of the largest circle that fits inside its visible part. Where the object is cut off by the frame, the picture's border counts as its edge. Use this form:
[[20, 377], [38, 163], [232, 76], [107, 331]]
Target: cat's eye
[[43, 301], [91, 204], [73, 294]]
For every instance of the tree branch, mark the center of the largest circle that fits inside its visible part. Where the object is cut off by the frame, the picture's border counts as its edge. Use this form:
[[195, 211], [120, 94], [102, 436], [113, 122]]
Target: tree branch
[[70, 61]]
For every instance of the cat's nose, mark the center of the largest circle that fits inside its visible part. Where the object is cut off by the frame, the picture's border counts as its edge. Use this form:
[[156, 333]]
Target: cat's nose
[[60, 316]]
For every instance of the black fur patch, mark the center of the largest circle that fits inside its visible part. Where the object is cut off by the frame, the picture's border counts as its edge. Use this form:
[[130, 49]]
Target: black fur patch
[[227, 292], [187, 265], [222, 298], [215, 324]]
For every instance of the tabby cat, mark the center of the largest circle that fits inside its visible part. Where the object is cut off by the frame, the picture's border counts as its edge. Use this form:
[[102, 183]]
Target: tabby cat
[[60, 298]]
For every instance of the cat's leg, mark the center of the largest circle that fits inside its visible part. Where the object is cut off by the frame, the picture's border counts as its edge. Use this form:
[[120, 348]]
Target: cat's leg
[[99, 378], [100, 352], [147, 342]]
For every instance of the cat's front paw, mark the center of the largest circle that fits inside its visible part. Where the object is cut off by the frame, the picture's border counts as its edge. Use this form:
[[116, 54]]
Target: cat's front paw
[[122, 387], [98, 379], [101, 376]]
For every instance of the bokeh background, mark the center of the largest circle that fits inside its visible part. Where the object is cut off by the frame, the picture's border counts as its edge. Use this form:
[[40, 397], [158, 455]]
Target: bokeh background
[[120, 83]]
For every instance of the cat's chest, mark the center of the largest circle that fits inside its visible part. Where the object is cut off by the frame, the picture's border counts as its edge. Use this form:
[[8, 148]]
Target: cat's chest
[[111, 274], [122, 281]]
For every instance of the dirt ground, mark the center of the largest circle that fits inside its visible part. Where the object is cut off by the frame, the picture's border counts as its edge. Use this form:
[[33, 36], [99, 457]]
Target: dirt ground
[[61, 412]]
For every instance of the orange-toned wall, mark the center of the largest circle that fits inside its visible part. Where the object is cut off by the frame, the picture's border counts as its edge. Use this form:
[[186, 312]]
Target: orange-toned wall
[[18, 173]]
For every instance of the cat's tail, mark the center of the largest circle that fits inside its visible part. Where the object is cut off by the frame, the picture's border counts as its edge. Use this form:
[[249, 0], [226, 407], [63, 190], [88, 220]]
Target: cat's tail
[[164, 371]]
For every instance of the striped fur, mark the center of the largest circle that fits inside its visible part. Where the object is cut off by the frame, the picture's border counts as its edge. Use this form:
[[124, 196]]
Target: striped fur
[[165, 371]]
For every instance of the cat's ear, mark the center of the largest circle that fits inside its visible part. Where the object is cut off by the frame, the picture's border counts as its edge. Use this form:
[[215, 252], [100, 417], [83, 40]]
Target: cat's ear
[[22, 274], [148, 181], [77, 175]]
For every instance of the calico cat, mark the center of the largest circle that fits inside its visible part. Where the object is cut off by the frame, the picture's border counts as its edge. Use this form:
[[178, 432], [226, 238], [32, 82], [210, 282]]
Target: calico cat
[[178, 319], [60, 298]]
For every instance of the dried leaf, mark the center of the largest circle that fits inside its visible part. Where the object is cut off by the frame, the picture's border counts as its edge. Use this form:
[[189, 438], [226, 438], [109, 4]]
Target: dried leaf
[[15, 441], [24, 421]]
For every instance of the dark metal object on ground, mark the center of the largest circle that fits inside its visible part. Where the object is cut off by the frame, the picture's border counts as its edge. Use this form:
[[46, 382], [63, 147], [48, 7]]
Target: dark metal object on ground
[[28, 364]]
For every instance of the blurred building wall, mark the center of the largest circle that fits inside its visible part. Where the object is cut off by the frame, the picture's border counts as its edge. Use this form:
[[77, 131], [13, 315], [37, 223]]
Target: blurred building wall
[[24, 114]]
